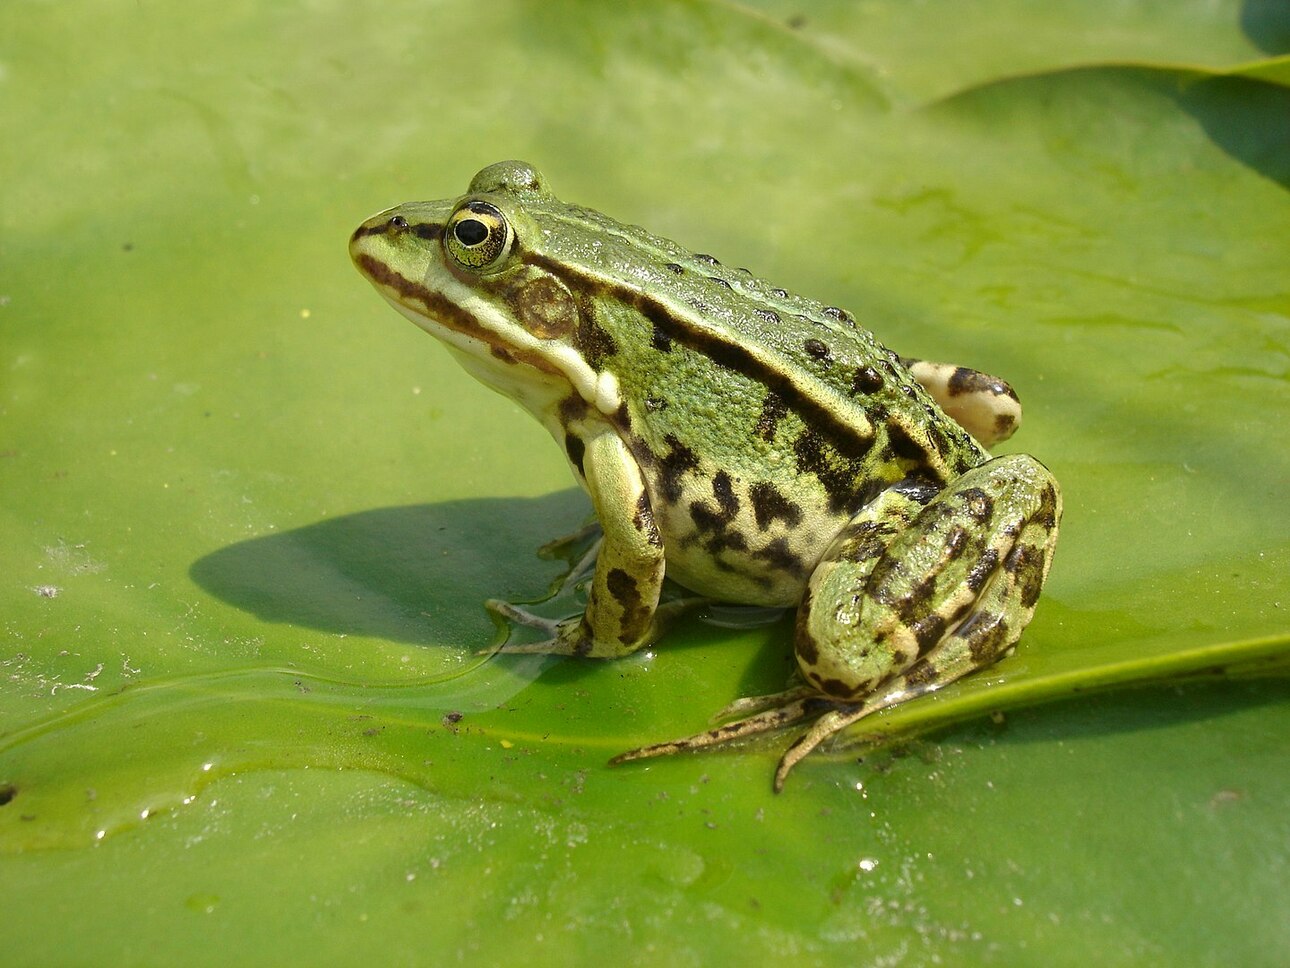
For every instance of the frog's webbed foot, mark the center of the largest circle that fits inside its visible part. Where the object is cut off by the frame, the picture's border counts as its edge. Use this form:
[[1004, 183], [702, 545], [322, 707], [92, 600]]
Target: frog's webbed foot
[[755, 704], [774, 712], [570, 636], [761, 722], [769, 713], [831, 723], [522, 616]]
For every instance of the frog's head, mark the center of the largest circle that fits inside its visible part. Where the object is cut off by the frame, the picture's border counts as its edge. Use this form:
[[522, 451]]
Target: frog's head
[[457, 269]]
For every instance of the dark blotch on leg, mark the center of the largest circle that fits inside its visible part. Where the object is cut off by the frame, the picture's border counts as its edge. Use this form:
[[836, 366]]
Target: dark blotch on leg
[[982, 570], [770, 504], [978, 504]]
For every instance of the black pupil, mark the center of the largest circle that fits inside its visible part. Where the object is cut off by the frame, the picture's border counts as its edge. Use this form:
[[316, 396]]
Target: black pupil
[[470, 231]]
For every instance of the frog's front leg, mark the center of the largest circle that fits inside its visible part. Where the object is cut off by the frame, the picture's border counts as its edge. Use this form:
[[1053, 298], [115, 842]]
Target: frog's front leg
[[622, 612]]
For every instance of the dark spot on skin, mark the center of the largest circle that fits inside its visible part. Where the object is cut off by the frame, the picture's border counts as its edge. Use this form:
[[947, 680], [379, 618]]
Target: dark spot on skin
[[909, 391], [955, 542], [834, 687], [673, 267], [661, 341], [719, 281], [817, 348], [704, 257], [779, 293], [623, 417], [921, 674], [778, 554], [865, 541], [594, 341], [769, 505], [964, 380], [903, 445], [803, 644], [978, 504], [705, 518], [866, 380], [643, 521], [984, 633], [1026, 563], [1046, 515], [1019, 557], [772, 411], [7, 792], [674, 465], [572, 408], [938, 438], [503, 354], [635, 614], [724, 491], [1003, 424], [576, 449], [841, 315], [917, 489], [834, 473], [726, 541], [914, 605], [769, 315], [928, 632], [982, 570]]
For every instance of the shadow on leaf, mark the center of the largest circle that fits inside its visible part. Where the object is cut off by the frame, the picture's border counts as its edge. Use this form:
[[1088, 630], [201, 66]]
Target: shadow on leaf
[[417, 573]]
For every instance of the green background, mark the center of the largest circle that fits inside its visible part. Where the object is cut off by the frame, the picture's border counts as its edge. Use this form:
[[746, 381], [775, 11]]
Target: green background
[[248, 516]]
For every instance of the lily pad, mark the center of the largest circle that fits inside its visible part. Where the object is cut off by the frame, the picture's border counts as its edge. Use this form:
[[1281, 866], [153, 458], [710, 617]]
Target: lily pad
[[250, 516]]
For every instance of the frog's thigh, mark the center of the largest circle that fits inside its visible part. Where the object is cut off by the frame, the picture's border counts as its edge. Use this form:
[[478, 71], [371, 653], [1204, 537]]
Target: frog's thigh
[[623, 600], [950, 593], [983, 405]]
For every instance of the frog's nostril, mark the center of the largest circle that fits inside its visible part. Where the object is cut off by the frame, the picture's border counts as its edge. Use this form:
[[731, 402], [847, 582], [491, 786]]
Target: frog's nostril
[[398, 222]]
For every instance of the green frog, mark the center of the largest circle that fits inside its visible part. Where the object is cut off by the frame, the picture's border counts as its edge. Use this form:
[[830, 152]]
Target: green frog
[[755, 446]]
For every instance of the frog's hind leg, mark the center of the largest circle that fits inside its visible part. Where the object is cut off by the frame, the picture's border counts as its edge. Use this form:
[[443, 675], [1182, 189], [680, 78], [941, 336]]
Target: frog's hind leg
[[948, 595]]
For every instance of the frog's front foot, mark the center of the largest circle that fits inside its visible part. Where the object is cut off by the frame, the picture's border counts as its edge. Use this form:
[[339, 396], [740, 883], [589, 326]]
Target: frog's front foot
[[574, 636], [564, 636]]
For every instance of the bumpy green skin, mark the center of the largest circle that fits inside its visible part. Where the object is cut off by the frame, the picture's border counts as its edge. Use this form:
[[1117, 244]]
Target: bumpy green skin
[[756, 446]]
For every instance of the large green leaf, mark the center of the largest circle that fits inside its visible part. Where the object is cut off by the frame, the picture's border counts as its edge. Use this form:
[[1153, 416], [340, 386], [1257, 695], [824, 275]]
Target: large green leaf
[[250, 516]]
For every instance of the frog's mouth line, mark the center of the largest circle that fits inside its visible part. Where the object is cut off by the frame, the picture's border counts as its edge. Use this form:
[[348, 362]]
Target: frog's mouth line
[[452, 321], [560, 368]]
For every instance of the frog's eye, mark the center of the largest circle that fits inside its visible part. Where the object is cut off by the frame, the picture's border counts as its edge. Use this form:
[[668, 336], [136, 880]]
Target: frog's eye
[[478, 236]]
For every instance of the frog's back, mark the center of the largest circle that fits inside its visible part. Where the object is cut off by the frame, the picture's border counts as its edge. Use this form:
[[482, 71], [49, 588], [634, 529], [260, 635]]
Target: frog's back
[[762, 420]]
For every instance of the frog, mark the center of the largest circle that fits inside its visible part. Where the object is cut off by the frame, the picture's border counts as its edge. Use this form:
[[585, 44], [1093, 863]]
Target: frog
[[755, 446]]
